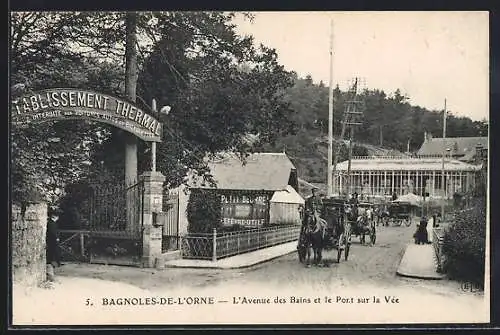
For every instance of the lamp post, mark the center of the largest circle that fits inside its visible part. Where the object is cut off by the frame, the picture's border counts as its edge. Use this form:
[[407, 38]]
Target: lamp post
[[164, 110]]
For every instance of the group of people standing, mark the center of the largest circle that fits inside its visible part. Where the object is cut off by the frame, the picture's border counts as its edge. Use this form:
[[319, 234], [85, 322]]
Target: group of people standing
[[423, 235]]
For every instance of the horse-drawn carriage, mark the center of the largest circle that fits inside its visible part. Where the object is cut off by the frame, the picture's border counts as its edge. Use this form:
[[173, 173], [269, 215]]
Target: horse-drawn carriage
[[362, 221], [328, 230], [400, 212]]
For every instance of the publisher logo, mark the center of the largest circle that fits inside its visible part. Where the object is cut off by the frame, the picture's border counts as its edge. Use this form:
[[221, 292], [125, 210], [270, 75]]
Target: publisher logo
[[470, 287]]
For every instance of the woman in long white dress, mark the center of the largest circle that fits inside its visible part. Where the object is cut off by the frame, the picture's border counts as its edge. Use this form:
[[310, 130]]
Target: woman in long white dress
[[430, 225]]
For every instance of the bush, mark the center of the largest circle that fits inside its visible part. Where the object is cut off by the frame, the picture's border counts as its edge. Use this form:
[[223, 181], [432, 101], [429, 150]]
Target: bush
[[464, 245], [203, 211]]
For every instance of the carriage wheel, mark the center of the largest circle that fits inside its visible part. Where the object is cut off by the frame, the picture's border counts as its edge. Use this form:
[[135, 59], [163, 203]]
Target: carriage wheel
[[408, 222], [346, 251]]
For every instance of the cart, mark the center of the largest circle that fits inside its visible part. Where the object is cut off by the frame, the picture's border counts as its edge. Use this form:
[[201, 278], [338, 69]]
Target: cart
[[400, 212], [361, 225], [338, 232]]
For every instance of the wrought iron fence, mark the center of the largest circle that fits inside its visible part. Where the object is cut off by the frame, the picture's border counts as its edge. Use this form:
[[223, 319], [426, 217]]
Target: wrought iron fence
[[111, 226], [116, 224], [198, 246], [219, 245]]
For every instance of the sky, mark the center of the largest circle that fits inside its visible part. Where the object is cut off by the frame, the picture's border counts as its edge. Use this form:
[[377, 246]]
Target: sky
[[429, 56]]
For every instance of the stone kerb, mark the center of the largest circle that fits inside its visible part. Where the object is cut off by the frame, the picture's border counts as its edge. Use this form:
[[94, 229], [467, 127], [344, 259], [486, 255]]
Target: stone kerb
[[153, 203], [28, 247]]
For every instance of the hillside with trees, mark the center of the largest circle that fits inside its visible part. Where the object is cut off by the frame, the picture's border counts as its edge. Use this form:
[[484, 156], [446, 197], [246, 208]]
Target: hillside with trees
[[389, 123]]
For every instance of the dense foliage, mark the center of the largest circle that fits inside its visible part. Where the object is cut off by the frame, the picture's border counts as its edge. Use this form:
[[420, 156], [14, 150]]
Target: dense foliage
[[465, 241], [389, 122], [465, 245], [193, 61], [203, 211]]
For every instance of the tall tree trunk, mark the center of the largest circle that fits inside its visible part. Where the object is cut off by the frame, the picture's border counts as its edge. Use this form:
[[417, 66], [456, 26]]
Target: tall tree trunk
[[131, 74], [131, 71]]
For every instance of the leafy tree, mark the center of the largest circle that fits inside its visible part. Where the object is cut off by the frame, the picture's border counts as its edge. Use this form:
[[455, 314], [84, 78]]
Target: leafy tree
[[192, 61], [220, 82]]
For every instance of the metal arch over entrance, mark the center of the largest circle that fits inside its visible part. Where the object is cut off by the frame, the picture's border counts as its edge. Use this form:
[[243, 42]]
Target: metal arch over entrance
[[71, 103]]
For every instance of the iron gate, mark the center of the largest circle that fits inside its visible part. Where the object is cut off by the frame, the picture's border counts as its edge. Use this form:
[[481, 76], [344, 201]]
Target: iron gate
[[116, 224], [111, 226]]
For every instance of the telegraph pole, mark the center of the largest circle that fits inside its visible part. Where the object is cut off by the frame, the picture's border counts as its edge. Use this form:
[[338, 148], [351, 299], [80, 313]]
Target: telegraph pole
[[442, 162], [330, 120]]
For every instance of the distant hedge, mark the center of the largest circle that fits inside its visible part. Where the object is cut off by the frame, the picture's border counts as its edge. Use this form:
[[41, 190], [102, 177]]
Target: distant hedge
[[464, 245]]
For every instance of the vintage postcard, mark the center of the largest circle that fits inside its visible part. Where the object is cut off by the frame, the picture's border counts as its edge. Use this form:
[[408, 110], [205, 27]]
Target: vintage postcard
[[231, 168]]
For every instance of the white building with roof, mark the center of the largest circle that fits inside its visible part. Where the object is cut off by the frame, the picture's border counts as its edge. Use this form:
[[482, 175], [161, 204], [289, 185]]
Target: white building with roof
[[260, 191], [464, 149], [382, 176]]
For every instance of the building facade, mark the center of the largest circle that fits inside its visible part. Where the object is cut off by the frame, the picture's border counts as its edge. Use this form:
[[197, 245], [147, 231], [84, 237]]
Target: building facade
[[382, 176]]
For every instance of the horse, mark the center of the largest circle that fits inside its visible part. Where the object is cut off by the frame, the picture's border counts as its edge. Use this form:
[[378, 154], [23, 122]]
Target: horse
[[362, 228], [383, 216], [304, 246], [314, 229]]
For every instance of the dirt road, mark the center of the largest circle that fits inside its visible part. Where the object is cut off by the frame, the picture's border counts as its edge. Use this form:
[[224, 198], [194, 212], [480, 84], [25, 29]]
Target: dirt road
[[280, 291], [367, 265]]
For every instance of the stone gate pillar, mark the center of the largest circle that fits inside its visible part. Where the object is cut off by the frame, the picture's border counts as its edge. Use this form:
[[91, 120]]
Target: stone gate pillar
[[153, 199]]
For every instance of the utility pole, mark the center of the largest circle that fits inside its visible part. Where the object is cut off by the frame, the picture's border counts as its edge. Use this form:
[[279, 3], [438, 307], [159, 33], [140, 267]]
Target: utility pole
[[381, 138], [330, 120], [349, 183], [442, 162], [351, 118]]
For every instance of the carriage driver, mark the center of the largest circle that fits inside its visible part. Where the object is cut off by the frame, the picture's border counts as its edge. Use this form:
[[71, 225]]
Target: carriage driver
[[314, 206]]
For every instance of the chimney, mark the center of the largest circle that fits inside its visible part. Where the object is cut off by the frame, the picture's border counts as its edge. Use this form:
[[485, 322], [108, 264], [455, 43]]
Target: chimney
[[429, 136], [425, 136]]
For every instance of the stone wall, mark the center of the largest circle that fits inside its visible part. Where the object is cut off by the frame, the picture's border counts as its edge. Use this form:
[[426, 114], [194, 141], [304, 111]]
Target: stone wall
[[28, 244]]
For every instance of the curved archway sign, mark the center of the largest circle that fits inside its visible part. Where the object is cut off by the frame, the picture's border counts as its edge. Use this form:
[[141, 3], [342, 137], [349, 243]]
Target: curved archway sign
[[70, 103]]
